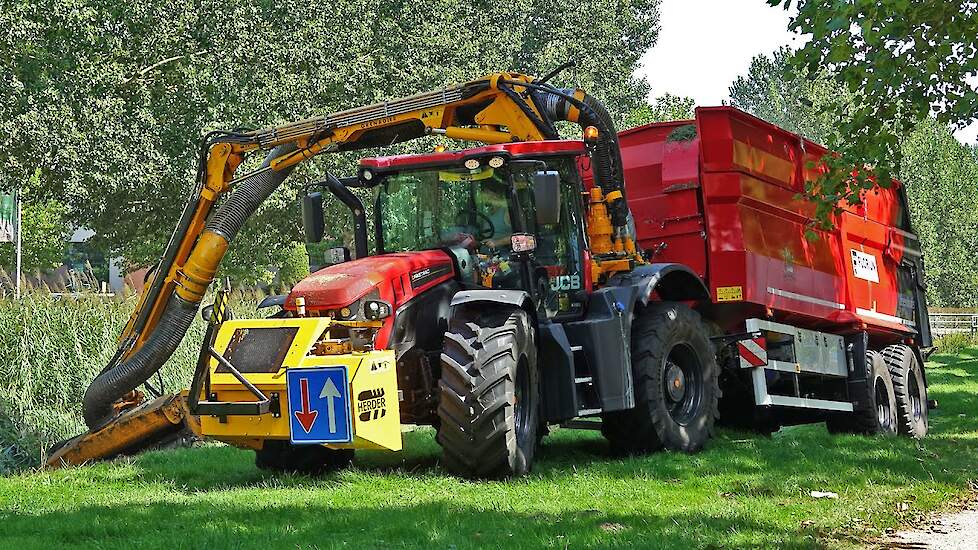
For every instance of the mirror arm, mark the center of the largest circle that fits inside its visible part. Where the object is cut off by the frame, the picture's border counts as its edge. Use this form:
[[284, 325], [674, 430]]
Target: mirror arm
[[343, 193]]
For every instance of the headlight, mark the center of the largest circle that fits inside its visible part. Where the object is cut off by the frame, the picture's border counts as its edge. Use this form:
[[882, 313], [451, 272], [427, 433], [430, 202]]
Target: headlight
[[347, 313], [375, 310]]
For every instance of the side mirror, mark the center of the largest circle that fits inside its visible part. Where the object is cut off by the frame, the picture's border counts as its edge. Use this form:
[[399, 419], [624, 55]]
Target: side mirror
[[313, 223], [546, 191], [523, 243]]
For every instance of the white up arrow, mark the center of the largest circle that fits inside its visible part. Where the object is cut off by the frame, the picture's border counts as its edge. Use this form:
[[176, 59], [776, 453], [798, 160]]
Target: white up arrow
[[330, 393]]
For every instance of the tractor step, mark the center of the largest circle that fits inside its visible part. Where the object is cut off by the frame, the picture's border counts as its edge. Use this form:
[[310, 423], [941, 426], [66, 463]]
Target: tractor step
[[588, 412]]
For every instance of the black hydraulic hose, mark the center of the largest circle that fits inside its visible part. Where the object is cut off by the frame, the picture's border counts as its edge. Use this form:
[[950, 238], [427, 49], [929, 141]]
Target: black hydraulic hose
[[178, 313], [607, 163], [606, 158], [248, 196], [127, 375]]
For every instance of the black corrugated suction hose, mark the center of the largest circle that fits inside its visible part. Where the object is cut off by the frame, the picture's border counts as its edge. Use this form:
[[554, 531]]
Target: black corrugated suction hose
[[606, 158], [178, 313]]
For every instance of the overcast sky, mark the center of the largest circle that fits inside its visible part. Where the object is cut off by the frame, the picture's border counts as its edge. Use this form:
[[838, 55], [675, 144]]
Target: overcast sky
[[705, 44]]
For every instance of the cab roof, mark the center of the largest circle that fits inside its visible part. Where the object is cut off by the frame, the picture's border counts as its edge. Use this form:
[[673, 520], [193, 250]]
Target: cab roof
[[510, 150]]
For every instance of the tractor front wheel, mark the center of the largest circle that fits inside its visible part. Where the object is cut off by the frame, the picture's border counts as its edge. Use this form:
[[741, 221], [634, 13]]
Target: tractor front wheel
[[489, 397]]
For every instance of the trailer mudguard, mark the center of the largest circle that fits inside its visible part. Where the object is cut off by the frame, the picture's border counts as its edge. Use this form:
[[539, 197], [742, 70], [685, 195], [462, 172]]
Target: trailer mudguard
[[857, 345]]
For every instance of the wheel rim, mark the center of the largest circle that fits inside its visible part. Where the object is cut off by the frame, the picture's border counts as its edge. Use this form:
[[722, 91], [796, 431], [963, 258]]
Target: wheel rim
[[884, 414], [520, 409], [683, 384], [916, 402]]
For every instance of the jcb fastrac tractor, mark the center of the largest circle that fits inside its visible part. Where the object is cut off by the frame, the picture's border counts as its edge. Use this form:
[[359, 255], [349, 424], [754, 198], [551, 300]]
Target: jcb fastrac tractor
[[512, 286]]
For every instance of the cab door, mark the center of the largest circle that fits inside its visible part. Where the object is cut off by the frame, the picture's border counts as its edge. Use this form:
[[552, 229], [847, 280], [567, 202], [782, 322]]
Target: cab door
[[557, 264]]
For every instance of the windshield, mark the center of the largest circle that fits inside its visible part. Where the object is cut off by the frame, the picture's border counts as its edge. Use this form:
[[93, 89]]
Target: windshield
[[443, 207], [479, 210]]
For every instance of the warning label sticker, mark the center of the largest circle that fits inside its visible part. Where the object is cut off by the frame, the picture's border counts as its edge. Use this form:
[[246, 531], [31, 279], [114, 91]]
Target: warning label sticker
[[730, 293]]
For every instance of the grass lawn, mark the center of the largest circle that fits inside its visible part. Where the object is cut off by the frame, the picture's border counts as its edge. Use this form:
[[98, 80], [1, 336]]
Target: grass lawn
[[743, 490]]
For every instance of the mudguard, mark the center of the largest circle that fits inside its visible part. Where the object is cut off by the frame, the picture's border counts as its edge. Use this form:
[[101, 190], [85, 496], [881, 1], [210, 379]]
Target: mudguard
[[516, 298], [671, 282]]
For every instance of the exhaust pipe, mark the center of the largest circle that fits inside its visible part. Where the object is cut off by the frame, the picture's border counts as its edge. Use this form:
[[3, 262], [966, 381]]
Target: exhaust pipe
[[181, 307]]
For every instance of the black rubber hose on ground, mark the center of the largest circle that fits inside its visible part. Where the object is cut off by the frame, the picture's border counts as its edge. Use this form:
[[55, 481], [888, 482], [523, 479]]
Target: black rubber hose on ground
[[178, 313]]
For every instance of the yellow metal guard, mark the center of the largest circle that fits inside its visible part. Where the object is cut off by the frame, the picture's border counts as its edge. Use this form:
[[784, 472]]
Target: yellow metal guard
[[372, 383]]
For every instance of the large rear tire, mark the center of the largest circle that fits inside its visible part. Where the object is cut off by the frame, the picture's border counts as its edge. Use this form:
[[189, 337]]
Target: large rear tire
[[876, 410], [283, 456], [676, 384], [909, 388], [489, 395]]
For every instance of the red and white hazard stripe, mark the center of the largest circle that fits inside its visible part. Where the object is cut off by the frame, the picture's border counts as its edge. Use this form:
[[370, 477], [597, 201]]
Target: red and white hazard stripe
[[753, 352]]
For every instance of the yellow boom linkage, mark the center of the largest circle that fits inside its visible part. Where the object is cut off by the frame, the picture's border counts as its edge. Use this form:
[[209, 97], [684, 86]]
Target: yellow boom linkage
[[498, 108]]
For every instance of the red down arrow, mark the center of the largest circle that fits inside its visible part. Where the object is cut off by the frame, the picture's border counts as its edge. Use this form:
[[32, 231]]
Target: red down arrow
[[306, 417]]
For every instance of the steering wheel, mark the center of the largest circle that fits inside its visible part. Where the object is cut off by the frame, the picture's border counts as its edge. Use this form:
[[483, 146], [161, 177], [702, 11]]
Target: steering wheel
[[484, 232]]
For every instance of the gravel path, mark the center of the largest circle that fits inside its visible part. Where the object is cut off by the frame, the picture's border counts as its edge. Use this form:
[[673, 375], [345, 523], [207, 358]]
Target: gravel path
[[954, 531]]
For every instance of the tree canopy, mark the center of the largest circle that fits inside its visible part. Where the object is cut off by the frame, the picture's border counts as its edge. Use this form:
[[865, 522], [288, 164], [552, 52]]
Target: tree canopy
[[108, 101], [900, 63], [663, 108]]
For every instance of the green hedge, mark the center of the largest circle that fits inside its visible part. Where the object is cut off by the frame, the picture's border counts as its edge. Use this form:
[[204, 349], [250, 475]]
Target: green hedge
[[51, 348], [953, 344]]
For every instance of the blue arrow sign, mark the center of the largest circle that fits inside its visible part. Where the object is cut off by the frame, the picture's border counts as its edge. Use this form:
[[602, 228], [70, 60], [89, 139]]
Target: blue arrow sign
[[319, 405]]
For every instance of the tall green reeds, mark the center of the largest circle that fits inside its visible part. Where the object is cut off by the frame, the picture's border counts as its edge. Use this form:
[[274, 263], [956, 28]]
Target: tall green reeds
[[51, 348]]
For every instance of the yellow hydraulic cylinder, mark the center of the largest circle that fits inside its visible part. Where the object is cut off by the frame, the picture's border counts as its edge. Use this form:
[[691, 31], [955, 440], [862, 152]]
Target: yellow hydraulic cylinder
[[599, 228], [201, 266]]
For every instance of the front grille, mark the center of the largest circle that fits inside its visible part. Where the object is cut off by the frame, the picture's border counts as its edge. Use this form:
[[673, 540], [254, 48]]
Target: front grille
[[258, 349]]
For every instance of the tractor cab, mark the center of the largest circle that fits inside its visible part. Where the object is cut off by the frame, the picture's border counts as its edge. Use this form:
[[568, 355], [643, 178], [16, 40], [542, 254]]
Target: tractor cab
[[508, 216]]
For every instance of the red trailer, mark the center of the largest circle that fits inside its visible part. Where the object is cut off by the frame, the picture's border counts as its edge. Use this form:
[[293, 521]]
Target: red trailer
[[723, 194]]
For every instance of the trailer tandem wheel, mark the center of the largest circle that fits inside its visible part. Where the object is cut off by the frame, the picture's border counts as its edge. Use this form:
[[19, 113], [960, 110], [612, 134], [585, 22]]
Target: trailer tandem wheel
[[875, 409], [909, 388], [488, 407], [676, 384]]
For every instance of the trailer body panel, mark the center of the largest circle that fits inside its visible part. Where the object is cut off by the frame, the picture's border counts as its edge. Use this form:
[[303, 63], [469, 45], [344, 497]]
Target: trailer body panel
[[723, 194]]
